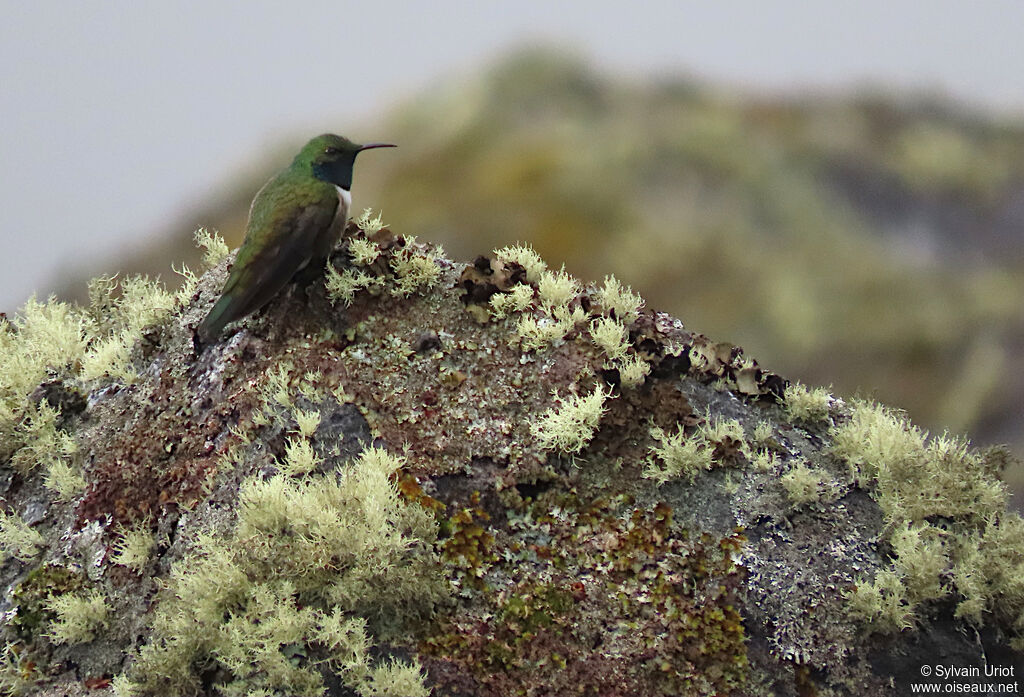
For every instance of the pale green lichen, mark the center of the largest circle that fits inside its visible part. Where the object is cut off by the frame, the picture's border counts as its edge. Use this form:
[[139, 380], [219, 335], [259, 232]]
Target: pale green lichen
[[307, 421], [17, 539], [516, 300], [918, 481], [724, 431], [41, 442], [64, 480], [763, 434], [134, 547], [415, 271], [620, 300], [633, 370], [803, 484], [556, 289], [78, 617], [537, 333], [363, 252], [40, 338], [216, 250], [920, 560], [804, 404], [343, 286], [882, 602], [315, 566], [610, 336], [677, 455], [17, 671], [368, 223], [299, 457], [913, 478], [525, 256], [570, 425]]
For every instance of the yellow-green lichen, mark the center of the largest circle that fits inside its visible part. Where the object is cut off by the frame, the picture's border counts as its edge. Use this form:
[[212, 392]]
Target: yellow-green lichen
[[677, 455], [216, 250], [78, 617], [803, 484], [525, 256], [17, 539], [804, 404], [134, 547], [619, 300], [517, 299], [64, 480], [946, 512], [610, 336], [315, 567], [570, 425]]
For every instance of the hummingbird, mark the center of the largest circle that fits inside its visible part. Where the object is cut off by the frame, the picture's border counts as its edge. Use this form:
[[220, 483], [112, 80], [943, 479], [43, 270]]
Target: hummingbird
[[294, 222]]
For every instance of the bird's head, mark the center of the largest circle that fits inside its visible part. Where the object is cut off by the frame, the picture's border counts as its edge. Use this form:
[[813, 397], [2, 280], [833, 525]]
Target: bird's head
[[332, 157]]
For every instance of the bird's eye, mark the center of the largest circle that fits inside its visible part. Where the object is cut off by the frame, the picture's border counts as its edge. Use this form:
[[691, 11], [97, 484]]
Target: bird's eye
[[331, 150]]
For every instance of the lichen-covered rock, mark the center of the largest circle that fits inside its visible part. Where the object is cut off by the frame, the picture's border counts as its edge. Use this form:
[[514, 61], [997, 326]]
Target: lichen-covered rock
[[487, 479]]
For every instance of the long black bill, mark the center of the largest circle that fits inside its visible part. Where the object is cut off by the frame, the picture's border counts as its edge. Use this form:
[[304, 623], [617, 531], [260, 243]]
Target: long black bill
[[370, 146]]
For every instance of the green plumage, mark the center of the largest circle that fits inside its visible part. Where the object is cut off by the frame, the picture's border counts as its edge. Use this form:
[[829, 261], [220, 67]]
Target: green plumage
[[294, 222]]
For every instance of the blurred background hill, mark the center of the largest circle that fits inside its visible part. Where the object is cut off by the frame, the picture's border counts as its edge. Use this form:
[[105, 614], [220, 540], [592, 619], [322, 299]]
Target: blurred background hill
[[872, 241], [837, 187]]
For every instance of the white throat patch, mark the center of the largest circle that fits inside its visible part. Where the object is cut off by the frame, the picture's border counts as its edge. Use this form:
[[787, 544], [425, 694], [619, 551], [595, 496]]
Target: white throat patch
[[345, 197]]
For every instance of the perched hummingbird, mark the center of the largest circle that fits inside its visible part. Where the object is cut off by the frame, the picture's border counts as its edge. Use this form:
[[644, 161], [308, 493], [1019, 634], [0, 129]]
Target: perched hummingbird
[[294, 223]]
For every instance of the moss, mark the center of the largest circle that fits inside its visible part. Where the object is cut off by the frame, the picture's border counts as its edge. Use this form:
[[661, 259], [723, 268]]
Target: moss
[[675, 628], [469, 547], [33, 595]]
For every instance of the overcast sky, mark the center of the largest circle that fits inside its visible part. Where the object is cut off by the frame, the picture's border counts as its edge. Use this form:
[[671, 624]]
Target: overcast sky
[[115, 116]]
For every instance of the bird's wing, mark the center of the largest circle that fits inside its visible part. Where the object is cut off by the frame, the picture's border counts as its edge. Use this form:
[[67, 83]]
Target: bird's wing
[[283, 228]]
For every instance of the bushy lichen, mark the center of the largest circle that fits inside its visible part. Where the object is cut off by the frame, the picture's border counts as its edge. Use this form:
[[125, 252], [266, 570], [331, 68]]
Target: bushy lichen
[[77, 617], [17, 539], [943, 504], [803, 484], [571, 423], [312, 569], [806, 404]]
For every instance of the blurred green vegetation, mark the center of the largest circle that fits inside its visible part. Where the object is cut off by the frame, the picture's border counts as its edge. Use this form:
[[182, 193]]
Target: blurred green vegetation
[[872, 242]]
